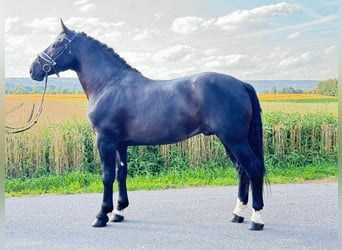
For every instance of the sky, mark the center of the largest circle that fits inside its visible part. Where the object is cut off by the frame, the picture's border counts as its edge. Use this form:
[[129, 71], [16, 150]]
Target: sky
[[163, 39]]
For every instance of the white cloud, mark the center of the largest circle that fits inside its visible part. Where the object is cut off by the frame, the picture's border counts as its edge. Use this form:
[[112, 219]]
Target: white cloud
[[97, 27], [175, 53], [144, 34], [181, 72], [44, 25], [279, 53], [210, 52], [82, 23], [187, 24], [80, 2], [296, 60], [293, 35], [135, 57], [234, 20], [157, 16], [15, 41], [9, 22], [330, 50], [110, 37], [256, 16], [228, 61], [141, 36], [30, 52], [119, 24], [84, 6], [87, 8]]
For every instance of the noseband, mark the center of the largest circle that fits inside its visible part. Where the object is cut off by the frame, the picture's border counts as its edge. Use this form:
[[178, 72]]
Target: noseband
[[49, 62]]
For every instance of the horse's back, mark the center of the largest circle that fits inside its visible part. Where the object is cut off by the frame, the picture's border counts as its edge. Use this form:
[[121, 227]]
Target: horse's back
[[157, 112]]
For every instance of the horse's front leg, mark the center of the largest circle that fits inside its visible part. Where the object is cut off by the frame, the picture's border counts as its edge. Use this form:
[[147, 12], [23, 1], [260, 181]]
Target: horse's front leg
[[242, 200], [121, 168], [107, 151]]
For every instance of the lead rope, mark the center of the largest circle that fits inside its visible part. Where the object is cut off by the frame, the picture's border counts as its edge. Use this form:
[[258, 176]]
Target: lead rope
[[31, 123]]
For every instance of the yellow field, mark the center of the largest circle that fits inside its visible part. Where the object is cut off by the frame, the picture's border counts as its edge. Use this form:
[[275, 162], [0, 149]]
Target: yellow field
[[56, 108], [59, 108], [279, 97], [279, 102]]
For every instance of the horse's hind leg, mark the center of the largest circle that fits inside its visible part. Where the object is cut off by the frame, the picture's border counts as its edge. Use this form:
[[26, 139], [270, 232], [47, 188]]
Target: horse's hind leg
[[254, 170], [242, 200], [121, 175], [243, 190]]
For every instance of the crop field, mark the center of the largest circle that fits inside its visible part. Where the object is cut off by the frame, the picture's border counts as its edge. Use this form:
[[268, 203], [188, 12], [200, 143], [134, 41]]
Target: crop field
[[295, 97], [56, 109], [59, 108], [296, 133]]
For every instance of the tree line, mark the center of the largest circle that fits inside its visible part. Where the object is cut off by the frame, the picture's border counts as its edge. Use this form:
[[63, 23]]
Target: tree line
[[327, 87], [39, 90]]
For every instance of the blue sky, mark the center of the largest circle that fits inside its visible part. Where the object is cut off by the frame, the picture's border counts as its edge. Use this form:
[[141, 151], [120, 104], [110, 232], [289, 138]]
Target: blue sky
[[170, 38]]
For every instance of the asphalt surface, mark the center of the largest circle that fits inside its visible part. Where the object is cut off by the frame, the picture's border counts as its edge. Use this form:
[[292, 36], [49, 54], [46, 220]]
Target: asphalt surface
[[302, 216]]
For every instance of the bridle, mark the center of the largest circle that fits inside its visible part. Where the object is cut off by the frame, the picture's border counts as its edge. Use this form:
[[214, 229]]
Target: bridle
[[48, 64]]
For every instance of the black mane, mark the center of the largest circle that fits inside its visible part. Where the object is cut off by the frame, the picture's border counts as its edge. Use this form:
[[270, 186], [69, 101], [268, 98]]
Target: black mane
[[108, 49]]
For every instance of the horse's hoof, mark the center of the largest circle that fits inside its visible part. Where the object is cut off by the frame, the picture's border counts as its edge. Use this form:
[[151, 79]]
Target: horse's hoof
[[117, 215], [99, 223], [117, 218], [256, 226], [237, 219]]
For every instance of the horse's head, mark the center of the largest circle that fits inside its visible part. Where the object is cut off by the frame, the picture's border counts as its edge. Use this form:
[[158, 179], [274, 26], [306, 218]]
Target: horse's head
[[55, 58]]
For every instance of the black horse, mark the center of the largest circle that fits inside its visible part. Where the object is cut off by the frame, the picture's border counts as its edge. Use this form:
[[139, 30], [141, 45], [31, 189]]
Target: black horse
[[128, 109]]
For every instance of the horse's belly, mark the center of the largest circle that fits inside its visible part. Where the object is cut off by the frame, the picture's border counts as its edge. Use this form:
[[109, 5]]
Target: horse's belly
[[161, 135]]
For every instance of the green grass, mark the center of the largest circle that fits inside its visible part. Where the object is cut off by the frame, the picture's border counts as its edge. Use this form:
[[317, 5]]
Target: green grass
[[82, 182]]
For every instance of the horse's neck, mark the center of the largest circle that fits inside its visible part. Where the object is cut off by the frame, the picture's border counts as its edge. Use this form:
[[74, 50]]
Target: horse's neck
[[95, 74], [94, 80]]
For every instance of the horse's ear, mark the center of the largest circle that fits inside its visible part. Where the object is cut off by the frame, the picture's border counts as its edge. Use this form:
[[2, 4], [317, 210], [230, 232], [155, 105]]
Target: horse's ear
[[65, 29]]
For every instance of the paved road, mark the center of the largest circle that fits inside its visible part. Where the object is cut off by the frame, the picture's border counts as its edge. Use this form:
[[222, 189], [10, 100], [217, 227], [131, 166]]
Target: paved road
[[297, 217]]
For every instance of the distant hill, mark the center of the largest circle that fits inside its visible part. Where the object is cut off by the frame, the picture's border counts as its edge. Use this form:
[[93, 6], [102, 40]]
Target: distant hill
[[72, 85], [261, 85], [55, 85]]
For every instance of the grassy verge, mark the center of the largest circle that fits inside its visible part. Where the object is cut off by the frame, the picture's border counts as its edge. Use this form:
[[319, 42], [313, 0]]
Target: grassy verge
[[83, 182]]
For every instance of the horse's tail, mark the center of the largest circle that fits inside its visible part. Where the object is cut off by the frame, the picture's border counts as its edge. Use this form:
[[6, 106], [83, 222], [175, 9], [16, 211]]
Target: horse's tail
[[255, 130]]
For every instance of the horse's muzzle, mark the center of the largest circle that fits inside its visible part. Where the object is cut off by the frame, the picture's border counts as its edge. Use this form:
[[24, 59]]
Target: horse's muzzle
[[36, 72]]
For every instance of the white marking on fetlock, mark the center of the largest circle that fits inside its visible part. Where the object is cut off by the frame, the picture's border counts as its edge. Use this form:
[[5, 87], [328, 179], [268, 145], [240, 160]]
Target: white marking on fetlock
[[240, 208], [257, 217], [118, 212]]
